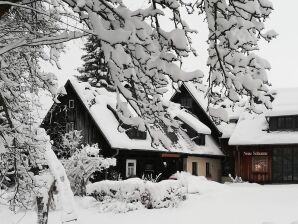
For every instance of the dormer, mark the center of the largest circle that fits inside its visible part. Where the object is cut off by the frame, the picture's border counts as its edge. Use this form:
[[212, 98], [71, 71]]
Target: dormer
[[186, 102], [283, 123], [131, 132]]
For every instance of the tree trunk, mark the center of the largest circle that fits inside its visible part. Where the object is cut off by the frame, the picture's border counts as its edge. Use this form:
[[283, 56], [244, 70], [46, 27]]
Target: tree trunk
[[43, 206]]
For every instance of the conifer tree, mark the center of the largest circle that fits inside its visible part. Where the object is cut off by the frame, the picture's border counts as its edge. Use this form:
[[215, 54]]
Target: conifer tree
[[95, 68]]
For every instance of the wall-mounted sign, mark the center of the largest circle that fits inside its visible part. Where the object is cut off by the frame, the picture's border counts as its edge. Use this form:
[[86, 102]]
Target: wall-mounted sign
[[169, 155], [255, 153]]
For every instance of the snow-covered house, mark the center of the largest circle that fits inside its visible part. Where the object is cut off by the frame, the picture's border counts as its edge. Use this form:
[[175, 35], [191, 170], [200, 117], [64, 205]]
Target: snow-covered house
[[93, 110], [266, 145]]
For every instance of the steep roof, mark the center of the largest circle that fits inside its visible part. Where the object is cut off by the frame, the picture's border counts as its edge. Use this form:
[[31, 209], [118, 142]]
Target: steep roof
[[252, 129], [102, 112], [224, 128], [202, 103]]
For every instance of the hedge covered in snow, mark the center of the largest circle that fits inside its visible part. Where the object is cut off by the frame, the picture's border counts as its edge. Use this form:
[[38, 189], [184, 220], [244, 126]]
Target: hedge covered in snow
[[133, 194]]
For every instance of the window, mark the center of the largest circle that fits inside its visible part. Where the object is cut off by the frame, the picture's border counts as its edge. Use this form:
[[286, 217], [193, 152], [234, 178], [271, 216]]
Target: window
[[285, 164], [283, 123], [186, 102], [260, 164], [194, 168], [69, 127], [200, 139], [134, 133], [208, 173], [71, 103], [131, 167], [233, 120]]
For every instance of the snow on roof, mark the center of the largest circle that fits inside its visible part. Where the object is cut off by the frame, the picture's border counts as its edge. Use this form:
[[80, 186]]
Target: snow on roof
[[185, 116], [253, 131], [210, 148], [226, 129], [108, 123], [232, 112], [197, 94], [285, 103]]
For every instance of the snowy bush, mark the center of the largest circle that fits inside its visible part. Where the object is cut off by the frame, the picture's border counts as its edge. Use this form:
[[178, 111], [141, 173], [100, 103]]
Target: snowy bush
[[132, 194], [70, 142], [198, 184], [83, 164], [164, 194]]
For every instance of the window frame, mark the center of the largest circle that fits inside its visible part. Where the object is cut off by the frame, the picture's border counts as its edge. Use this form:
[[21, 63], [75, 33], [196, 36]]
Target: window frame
[[257, 160], [194, 169], [208, 169], [134, 161], [70, 126], [200, 139], [71, 103], [283, 123], [186, 102]]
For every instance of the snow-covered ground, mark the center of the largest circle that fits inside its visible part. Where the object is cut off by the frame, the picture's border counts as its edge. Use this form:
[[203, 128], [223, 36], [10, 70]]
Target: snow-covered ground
[[227, 204]]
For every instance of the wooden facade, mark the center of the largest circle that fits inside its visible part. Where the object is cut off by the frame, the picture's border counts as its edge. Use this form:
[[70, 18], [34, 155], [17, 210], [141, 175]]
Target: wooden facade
[[62, 118], [267, 163]]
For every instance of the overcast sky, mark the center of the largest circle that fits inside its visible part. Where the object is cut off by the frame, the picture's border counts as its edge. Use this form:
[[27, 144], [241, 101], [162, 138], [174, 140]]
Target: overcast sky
[[281, 52]]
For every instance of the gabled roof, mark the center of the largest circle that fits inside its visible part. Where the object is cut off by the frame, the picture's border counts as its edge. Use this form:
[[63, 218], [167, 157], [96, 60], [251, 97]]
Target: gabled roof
[[201, 101], [252, 129], [101, 110]]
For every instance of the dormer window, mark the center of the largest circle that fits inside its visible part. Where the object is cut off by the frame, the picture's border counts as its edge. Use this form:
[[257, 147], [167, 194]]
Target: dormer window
[[233, 120], [283, 123], [200, 139], [186, 102], [134, 133], [71, 103]]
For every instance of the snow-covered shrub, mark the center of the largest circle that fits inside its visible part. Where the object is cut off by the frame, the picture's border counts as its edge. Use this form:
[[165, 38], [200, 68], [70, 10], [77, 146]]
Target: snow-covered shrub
[[164, 194], [70, 142], [83, 164], [134, 193], [198, 184]]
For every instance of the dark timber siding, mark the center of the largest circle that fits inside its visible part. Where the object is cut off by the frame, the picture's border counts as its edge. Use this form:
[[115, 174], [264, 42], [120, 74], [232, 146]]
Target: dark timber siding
[[280, 163], [80, 116]]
